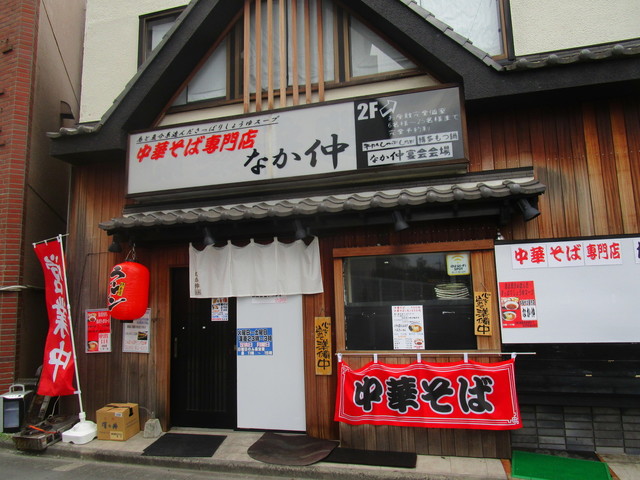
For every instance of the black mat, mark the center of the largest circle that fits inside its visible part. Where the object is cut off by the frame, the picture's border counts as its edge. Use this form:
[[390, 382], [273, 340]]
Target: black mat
[[281, 449], [371, 457], [184, 445]]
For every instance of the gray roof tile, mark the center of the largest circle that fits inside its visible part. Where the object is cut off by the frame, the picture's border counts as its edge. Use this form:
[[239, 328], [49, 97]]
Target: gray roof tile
[[414, 196]]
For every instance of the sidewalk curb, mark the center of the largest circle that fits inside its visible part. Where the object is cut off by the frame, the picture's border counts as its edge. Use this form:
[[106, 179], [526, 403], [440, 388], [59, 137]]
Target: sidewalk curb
[[315, 472]]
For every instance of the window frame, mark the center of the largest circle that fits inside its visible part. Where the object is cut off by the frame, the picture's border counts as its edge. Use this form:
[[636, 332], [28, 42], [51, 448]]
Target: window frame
[[483, 279], [341, 60], [505, 32], [143, 29]]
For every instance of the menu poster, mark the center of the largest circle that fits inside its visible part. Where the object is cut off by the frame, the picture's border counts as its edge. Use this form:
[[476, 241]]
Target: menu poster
[[136, 334], [220, 309], [98, 330], [408, 327], [518, 305]]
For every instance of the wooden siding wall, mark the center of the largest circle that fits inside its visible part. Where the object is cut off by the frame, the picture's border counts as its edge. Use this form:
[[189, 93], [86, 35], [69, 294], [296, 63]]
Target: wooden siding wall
[[588, 155]]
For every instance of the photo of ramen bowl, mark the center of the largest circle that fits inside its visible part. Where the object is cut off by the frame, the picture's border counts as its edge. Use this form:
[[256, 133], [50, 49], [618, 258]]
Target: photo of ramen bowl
[[511, 303], [415, 328], [93, 346], [509, 316]]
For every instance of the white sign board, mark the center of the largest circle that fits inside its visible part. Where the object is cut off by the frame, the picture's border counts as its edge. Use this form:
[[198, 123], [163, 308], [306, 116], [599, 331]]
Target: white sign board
[[330, 138], [570, 291]]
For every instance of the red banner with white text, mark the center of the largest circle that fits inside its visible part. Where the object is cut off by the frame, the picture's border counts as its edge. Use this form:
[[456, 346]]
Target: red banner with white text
[[58, 368], [443, 395]]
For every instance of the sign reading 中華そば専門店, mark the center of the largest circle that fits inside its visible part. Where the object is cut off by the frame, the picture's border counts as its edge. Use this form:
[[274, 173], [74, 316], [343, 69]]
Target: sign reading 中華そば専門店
[[350, 136]]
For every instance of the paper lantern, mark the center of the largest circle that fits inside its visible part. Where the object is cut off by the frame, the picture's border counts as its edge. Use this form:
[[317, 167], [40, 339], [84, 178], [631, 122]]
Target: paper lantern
[[128, 296]]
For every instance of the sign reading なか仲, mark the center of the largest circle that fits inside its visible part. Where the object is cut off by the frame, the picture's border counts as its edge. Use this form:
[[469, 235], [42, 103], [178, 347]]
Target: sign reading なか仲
[[339, 137]]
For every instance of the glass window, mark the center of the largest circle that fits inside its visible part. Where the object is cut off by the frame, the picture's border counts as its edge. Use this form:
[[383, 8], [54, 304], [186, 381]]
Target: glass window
[[360, 53], [371, 55], [153, 28], [419, 301], [295, 45], [477, 20]]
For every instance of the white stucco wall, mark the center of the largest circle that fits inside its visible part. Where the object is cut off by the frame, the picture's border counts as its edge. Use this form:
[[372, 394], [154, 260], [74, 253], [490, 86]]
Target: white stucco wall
[[549, 25], [111, 37], [111, 50]]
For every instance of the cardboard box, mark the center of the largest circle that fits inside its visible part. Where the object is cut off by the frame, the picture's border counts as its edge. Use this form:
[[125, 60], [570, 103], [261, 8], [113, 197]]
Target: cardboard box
[[118, 421]]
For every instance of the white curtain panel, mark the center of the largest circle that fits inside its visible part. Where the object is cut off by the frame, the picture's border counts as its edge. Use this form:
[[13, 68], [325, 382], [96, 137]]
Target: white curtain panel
[[255, 270]]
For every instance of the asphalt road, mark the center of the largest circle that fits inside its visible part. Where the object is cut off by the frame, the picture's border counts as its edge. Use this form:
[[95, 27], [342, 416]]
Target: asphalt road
[[21, 465]]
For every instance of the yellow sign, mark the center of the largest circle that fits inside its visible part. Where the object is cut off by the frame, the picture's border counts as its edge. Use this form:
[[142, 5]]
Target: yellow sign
[[324, 357], [458, 264], [482, 313]]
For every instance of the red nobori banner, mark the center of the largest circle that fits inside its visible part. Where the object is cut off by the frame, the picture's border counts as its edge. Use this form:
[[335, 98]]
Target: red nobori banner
[[441, 395], [58, 368]]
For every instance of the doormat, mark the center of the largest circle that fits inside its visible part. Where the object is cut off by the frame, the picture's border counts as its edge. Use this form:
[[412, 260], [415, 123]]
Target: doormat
[[281, 449], [536, 466], [371, 457], [184, 445]]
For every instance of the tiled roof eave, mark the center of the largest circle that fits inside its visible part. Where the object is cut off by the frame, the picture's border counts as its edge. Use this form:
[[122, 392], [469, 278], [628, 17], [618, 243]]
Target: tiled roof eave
[[424, 197]]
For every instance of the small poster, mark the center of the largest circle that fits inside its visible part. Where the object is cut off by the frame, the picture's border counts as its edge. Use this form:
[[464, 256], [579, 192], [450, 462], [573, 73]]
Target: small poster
[[220, 309], [254, 341], [323, 345], [408, 327], [98, 329], [458, 264], [518, 305], [482, 313], [136, 334]]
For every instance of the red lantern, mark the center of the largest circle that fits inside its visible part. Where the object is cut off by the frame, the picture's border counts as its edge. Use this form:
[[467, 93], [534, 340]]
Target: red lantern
[[128, 295]]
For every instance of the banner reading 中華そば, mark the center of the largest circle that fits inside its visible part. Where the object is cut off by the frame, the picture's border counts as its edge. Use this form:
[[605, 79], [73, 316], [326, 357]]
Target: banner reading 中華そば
[[445, 395]]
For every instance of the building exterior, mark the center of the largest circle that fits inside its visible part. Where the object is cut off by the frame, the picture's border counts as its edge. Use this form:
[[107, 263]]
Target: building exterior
[[427, 169], [39, 91]]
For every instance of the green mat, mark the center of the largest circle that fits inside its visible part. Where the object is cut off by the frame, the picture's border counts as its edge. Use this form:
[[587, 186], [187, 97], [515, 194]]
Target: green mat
[[535, 466]]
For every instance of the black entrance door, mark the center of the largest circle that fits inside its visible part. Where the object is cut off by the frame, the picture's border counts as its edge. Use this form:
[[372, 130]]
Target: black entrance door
[[203, 360]]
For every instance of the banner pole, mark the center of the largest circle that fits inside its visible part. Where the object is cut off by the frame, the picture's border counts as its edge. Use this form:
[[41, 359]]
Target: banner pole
[[82, 415], [84, 431]]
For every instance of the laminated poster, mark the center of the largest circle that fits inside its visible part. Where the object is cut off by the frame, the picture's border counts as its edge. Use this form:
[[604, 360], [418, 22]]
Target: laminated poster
[[98, 325], [518, 305], [136, 334], [408, 327]]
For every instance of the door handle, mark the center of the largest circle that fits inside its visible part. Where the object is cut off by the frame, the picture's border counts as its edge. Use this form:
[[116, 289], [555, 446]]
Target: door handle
[[175, 347]]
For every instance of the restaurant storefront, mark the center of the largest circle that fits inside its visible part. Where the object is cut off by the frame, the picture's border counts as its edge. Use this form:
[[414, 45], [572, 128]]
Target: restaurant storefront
[[291, 245]]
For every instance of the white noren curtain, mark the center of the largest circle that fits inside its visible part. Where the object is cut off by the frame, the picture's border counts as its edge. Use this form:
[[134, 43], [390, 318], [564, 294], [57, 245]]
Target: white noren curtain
[[255, 270]]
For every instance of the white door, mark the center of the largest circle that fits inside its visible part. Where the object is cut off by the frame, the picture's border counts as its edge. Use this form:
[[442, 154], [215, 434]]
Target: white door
[[271, 383]]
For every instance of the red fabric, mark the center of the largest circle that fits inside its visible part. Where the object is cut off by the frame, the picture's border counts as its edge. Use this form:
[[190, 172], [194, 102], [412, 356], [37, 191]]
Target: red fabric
[[444, 395], [58, 367]]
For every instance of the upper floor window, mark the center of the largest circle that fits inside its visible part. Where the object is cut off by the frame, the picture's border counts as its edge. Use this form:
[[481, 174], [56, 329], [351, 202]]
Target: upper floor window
[[287, 47], [153, 28], [481, 21]]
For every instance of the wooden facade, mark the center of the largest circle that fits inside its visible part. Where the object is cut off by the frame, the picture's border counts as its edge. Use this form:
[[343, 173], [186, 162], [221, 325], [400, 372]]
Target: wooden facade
[[587, 153]]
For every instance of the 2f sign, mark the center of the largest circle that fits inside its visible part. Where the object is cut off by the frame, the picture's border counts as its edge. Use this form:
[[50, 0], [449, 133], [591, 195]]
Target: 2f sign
[[458, 264], [369, 110]]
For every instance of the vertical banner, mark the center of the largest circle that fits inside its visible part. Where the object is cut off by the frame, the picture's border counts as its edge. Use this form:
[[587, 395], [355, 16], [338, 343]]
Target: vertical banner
[[58, 367], [98, 323], [323, 345]]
